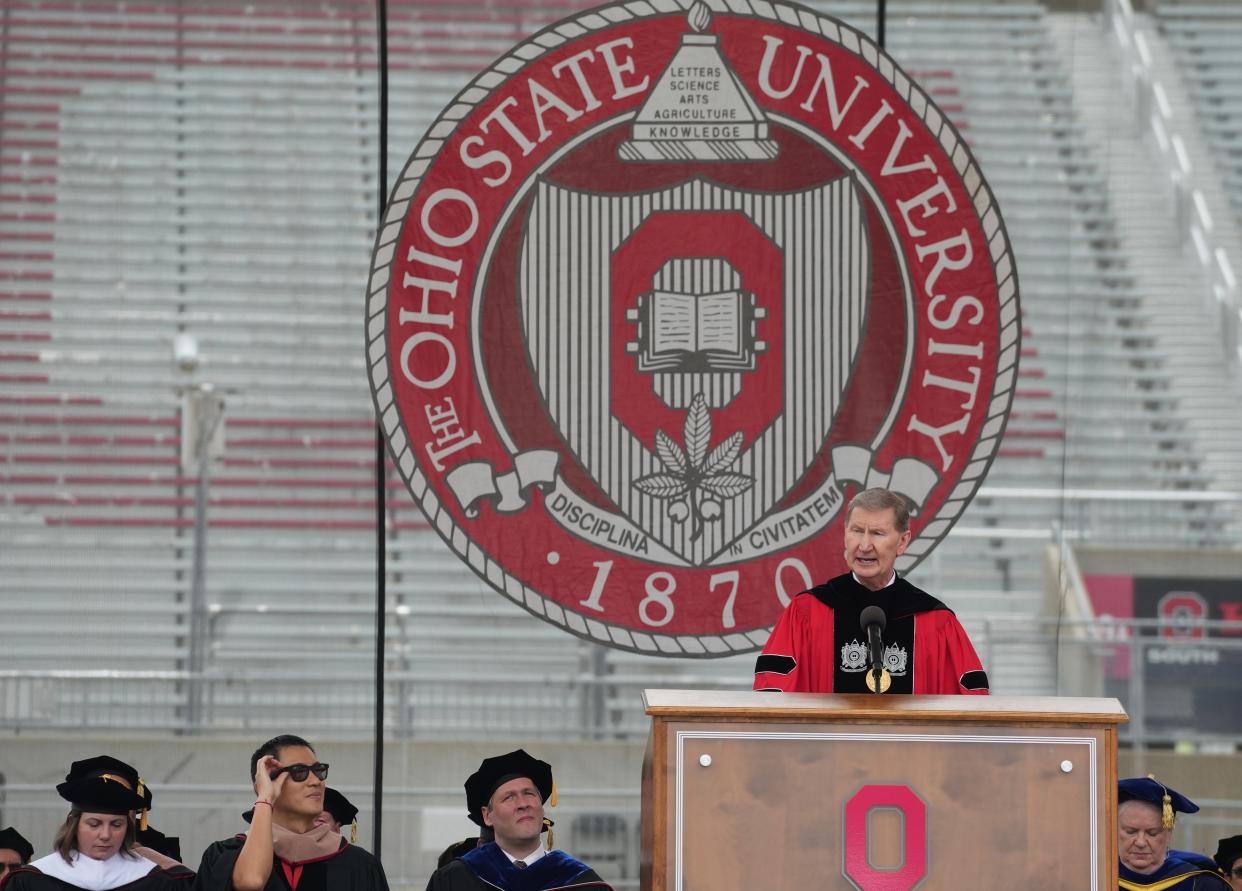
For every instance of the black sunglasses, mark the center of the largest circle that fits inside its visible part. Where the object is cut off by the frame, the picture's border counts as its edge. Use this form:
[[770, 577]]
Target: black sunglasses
[[299, 772]]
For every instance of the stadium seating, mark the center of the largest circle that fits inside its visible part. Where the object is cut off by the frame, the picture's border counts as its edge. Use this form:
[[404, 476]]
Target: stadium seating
[[212, 172], [1204, 38]]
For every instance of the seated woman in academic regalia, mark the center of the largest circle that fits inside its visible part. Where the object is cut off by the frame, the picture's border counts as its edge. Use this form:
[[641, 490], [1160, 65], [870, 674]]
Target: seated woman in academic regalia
[[96, 847], [1146, 809]]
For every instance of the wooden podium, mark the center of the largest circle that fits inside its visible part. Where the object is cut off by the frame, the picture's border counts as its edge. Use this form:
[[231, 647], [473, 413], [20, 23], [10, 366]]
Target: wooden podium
[[783, 792]]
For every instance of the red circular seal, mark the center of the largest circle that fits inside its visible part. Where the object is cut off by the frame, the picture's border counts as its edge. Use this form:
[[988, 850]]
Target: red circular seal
[[659, 289]]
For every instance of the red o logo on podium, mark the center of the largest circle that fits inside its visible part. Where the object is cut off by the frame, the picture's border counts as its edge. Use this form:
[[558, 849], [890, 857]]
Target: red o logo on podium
[[658, 289], [858, 868]]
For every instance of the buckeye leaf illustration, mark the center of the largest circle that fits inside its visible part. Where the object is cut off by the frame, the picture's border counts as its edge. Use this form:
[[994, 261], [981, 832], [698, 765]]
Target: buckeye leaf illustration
[[727, 485], [663, 485], [724, 455], [694, 479], [698, 431], [669, 453]]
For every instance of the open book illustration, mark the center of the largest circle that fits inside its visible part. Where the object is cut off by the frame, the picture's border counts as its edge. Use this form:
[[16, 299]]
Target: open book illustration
[[696, 332]]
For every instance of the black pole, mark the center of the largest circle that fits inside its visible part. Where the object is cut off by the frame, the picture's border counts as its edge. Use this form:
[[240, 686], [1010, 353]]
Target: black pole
[[381, 476], [880, 16]]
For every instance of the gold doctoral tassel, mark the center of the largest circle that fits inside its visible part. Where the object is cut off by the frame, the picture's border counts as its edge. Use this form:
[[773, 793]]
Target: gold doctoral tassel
[[1166, 804], [142, 820], [546, 821]]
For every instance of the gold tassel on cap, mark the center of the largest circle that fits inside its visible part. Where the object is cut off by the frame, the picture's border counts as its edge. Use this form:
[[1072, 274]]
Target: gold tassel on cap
[[142, 820], [546, 821], [1166, 804]]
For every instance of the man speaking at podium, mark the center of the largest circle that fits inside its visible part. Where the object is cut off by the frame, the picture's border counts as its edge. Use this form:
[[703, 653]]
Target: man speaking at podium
[[820, 644]]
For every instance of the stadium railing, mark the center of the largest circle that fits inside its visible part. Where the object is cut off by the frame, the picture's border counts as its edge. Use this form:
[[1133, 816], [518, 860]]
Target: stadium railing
[[589, 699]]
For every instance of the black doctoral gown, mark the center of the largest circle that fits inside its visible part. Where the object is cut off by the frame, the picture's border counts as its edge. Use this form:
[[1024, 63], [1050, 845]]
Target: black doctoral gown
[[349, 869], [27, 878]]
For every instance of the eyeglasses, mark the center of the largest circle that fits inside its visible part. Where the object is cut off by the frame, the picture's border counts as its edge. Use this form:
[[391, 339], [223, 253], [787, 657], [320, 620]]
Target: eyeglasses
[[299, 772]]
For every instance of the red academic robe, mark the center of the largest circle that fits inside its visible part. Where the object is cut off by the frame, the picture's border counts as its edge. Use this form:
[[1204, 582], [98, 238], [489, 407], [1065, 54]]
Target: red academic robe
[[818, 645]]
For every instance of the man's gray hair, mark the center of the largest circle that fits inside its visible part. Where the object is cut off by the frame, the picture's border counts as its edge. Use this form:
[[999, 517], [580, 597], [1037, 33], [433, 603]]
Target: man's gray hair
[[876, 500]]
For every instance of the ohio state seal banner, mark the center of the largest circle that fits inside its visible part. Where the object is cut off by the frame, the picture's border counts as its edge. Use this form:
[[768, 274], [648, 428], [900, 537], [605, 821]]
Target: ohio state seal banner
[[660, 289]]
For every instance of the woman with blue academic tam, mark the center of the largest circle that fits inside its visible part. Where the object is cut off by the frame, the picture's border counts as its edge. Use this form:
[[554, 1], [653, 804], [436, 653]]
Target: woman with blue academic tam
[[96, 847], [507, 794], [1146, 812]]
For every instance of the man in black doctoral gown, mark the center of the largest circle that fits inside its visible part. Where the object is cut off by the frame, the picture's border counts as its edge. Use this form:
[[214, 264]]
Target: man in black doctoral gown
[[286, 850], [1228, 859], [507, 794], [14, 850]]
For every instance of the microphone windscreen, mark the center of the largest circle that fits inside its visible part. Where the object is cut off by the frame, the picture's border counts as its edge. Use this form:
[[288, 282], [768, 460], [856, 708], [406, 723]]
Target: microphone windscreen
[[873, 615]]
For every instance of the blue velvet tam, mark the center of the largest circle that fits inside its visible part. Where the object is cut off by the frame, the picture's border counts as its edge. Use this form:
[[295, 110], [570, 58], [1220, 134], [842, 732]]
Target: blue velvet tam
[[1152, 791]]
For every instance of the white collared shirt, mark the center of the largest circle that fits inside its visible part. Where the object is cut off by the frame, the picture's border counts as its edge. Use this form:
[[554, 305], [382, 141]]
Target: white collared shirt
[[529, 858]]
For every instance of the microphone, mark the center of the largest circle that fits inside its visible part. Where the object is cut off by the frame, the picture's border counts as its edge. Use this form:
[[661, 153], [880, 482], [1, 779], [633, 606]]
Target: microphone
[[873, 621]]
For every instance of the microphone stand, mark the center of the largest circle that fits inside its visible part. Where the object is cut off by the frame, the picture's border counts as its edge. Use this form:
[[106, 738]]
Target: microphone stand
[[873, 622], [876, 647]]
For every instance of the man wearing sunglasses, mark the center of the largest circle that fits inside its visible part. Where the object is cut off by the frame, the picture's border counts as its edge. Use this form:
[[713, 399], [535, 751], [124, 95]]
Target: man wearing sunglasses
[[287, 847]]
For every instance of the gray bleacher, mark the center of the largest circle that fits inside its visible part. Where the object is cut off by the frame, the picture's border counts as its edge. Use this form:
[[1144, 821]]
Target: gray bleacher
[[213, 173], [1094, 406], [1205, 37]]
